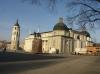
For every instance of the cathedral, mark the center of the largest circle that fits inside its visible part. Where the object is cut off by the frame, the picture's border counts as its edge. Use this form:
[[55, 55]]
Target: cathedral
[[60, 40]]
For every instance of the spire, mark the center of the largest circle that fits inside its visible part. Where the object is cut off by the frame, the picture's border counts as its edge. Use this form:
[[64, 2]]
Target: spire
[[38, 30], [61, 20], [30, 32], [17, 24], [17, 21]]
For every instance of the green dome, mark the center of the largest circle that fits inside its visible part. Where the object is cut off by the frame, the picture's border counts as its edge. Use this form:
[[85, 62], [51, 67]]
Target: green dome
[[61, 26]]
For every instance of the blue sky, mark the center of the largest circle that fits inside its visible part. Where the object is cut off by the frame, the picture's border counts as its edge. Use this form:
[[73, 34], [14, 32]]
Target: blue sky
[[30, 18]]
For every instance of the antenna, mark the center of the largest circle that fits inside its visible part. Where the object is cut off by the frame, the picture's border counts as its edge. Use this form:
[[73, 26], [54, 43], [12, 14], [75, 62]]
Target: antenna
[[29, 31], [38, 30]]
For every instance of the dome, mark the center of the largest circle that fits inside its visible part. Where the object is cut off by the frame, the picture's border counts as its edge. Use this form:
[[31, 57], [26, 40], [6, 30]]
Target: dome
[[86, 33], [60, 25]]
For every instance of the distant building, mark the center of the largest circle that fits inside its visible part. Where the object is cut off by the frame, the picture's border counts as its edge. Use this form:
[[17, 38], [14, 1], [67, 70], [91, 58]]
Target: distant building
[[96, 44], [61, 39], [15, 37], [2, 44], [94, 50], [8, 45]]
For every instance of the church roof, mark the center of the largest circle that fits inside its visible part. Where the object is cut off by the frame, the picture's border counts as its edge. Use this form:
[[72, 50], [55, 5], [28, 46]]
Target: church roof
[[36, 34], [60, 25], [86, 33]]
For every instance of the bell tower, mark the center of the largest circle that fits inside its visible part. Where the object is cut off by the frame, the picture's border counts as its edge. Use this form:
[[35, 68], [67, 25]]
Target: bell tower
[[15, 36]]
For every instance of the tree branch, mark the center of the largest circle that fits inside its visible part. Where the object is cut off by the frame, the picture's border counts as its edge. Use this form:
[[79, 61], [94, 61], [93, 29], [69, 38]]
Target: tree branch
[[89, 7]]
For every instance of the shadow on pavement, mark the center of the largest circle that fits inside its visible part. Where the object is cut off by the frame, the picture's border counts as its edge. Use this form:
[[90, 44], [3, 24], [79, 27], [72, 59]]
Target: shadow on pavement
[[21, 67], [28, 65], [12, 56]]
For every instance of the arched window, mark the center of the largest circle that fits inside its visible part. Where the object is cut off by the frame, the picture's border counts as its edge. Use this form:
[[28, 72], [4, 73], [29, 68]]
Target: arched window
[[15, 28], [78, 37], [17, 34]]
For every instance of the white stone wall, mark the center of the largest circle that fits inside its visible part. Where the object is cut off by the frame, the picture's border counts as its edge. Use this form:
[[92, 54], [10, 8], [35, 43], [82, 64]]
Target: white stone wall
[[51, 42], [58, 40], [28, 45], [15, 38]]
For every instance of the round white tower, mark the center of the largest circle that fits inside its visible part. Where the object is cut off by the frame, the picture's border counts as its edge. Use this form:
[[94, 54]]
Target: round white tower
[[15, 37]]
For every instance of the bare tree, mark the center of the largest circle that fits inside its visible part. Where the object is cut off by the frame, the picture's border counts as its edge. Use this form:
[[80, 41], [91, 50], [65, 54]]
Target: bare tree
[[50, 4], [86, 17]]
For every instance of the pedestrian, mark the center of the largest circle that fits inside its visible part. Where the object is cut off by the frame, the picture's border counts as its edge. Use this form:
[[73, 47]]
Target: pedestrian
[[4, 50]]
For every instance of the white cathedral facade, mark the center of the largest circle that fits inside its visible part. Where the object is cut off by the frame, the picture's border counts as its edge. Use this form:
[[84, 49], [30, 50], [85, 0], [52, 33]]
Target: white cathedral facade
[[61, 39]]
